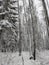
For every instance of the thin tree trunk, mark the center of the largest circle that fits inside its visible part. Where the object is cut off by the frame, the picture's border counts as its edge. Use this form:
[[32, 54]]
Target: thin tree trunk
[[33, 17], [19, 45]]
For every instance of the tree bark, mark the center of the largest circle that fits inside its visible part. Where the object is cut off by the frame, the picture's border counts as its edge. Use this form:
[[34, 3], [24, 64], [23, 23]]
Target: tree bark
[[34, 25], [19, 45]]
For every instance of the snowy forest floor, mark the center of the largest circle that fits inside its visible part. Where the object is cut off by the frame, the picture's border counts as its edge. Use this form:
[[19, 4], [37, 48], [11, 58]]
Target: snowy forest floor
[[42, 58]]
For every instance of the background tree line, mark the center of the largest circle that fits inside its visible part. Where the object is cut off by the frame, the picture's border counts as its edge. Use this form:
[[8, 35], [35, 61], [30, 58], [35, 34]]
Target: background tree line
[[24, 25]]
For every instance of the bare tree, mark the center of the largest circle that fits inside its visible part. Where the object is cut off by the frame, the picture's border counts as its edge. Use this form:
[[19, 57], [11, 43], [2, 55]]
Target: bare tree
[[34, 24], [19, 44]]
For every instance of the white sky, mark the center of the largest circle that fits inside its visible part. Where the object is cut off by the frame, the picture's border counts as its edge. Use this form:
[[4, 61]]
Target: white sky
[[21, 3]]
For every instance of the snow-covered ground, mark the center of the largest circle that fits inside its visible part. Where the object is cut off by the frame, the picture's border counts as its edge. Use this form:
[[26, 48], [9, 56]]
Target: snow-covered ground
[[15, 59], [43, 57]]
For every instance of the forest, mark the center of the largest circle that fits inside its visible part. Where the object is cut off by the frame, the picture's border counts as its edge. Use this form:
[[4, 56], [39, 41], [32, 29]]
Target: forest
[[24, 28]]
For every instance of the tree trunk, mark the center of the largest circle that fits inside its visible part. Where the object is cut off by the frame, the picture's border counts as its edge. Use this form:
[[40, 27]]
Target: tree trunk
[[34, 25], [19, 45]]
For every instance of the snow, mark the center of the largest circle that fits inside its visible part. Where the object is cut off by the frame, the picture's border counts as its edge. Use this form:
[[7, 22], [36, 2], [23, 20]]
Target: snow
[[21, 3], [43, 57], [14, 58], [1, 7], [5, 23], [13, 5]]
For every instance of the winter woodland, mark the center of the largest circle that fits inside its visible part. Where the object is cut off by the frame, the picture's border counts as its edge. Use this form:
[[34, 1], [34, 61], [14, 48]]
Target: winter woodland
[[24, 32]]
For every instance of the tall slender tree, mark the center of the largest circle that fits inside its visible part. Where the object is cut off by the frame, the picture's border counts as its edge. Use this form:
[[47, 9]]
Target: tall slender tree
[[20, 38], [34, 24]]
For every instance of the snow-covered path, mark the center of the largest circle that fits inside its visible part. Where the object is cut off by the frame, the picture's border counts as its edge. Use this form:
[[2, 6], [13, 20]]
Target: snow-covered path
[[15, 59]]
